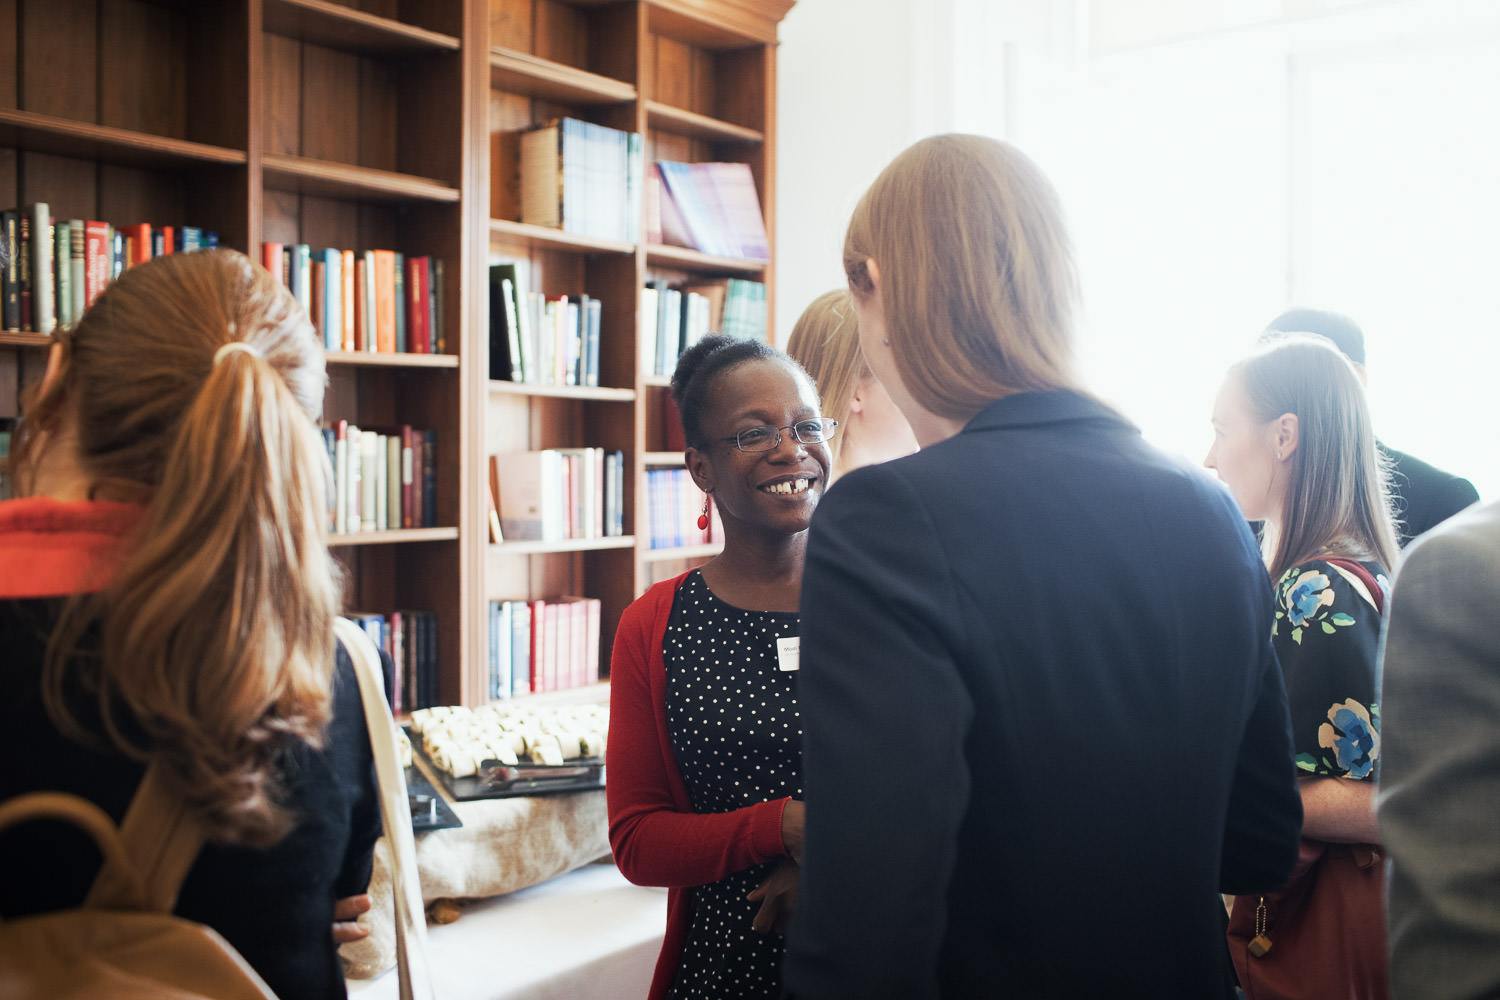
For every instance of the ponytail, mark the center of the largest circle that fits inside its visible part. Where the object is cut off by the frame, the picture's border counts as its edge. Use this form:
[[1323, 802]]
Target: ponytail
[[217, 627]]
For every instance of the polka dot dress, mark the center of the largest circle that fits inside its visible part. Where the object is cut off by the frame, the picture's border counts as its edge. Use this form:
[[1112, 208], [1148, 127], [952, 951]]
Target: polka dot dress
[[732, 716]]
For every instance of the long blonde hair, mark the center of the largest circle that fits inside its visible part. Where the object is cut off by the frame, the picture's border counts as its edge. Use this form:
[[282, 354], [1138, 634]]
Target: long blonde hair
[[1337, 500], [977, 277], [825, 340], [217, 627]]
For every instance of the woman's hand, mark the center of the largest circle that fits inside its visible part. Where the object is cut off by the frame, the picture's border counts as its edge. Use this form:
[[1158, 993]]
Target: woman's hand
[[792, 820], [777, 896], [346, 913]]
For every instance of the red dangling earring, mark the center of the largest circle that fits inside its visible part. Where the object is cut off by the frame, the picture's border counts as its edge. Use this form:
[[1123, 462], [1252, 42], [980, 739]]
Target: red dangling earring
[[703, 517]]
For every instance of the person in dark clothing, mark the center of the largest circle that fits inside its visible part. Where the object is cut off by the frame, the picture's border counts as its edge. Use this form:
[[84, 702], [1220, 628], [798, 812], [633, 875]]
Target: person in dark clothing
[[1044, 725], [1423, 495], [167, 596]]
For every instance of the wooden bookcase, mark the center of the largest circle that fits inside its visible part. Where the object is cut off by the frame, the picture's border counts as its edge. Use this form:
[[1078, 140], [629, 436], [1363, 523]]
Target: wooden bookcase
[[393, 123]]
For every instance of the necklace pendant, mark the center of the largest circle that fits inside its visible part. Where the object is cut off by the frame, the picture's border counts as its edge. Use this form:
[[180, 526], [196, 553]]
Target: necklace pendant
[[1260, 945]]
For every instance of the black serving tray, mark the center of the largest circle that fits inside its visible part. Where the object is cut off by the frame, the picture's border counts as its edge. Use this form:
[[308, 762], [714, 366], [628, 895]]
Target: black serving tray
[[438, 814], [501, 781]]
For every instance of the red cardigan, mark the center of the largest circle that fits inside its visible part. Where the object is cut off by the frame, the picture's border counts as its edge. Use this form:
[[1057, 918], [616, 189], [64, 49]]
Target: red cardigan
[[657, 837]]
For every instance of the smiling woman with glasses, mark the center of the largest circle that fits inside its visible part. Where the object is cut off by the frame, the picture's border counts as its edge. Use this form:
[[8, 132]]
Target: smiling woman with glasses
[[705, 776]]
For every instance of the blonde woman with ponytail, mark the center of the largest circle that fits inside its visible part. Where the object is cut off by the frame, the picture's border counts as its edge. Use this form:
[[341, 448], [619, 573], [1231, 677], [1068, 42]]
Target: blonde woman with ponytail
[[166, 595]]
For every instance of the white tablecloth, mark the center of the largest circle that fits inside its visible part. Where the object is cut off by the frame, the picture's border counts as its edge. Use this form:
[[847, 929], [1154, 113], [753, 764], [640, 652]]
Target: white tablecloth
[[586, 935]]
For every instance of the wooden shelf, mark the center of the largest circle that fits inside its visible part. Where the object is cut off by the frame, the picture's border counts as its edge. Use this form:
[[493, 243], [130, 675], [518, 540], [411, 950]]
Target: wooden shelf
[[690, 123], [657, 381], [341, 180], [340, 27], [663, 460], [563, 545], [387, 360], [597, 393], [525, 232], [522, 73], [12, 338], [686, 552], [83, 140], [658, 255], [336, 540]]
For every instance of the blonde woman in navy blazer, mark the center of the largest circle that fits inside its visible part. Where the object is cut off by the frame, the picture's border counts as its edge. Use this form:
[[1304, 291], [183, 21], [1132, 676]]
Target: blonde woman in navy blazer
[[1044, 725]]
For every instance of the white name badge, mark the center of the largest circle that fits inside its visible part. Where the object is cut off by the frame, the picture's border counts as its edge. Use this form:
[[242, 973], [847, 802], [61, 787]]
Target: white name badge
[[788, 653]]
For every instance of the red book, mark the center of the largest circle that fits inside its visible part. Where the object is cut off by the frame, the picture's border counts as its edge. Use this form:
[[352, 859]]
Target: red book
[[96, 263], [418, 290], [168, 239], [408, 492], [270, 258], [138, 245]]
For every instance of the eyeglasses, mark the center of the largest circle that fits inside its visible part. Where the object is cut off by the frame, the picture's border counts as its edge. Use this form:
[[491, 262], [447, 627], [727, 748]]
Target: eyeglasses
[[765, 437]]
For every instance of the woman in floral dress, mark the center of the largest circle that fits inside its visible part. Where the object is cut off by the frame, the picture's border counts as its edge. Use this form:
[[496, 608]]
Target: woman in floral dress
[[1293, 442]]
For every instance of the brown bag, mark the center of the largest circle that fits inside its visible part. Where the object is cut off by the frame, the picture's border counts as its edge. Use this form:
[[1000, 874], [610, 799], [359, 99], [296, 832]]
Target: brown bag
[[123, 942], [1322, 935]]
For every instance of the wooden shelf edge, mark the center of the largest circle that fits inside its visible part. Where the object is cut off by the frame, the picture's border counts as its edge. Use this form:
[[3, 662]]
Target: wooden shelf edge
[[598, 393], [542, 235], [564, 546], [343, 27], [685, 552], [50, 134], [660, 255], [336, 540], [690, 123], [663, 459], [326, 177], [387, 360], [598, 692], [17, 338], [521, 72]]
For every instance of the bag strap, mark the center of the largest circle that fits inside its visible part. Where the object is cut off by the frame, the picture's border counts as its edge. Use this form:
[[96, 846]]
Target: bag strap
[[162, 837], [395, 812], [1363, 581]]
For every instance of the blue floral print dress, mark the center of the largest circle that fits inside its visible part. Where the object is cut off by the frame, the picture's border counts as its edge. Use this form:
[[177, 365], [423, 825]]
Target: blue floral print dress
[[1327, 636]]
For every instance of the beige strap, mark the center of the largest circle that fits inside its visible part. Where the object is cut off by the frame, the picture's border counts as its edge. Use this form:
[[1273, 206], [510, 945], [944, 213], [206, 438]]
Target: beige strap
[[162, 838], [412, 964]]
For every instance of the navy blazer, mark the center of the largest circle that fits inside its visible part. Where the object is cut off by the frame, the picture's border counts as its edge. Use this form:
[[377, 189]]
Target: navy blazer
[[1043, 721]]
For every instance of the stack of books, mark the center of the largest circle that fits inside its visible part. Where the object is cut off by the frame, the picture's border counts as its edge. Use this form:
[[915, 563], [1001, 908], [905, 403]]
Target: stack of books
[[410, 637], [543, 645], [558, 494], [679, 317], [674, 502], [378, 301], [541, 341], [56, 268], [710, 207], [582, 178], [382, 480]]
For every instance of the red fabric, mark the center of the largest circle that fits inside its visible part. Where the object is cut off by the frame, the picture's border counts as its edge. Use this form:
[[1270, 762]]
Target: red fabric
[[656, 837], [52, 548]]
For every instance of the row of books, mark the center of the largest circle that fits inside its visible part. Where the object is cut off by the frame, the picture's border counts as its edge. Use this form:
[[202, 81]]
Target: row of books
[[410, 637], [675, 502], [542, 645], [711, 207], [679, 317], [382, 480], [557, 494], [541, 341], [379, 301], [582, 178], [56, 268]]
